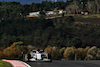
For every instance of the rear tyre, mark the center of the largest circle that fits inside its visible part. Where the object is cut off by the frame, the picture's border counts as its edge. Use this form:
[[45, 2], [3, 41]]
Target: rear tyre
[[49, 57], [27, 57]]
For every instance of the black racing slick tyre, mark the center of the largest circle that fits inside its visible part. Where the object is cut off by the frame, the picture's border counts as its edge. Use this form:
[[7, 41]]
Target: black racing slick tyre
[[49, 57], [26, 57]]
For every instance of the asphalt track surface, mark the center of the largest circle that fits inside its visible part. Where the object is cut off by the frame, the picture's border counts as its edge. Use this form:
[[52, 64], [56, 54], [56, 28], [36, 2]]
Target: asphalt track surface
[[58, 63]]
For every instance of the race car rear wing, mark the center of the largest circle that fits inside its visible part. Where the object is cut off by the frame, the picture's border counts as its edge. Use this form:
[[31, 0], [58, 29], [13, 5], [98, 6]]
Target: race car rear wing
[[34, 51]]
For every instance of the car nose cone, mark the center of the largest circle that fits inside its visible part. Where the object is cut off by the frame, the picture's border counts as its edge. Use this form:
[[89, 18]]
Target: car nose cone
[[39, 56]]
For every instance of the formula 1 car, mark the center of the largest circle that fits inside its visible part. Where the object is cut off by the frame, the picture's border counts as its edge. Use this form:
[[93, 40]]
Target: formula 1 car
[[38, 55]]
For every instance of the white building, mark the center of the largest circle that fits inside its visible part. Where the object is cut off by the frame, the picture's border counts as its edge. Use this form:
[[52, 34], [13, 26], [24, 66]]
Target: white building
[[49, 12], [61, 11], [34, 13]]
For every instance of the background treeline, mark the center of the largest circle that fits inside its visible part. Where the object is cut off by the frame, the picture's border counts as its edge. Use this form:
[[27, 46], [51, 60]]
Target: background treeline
[[16, 9], [17, 51], [59, 32]]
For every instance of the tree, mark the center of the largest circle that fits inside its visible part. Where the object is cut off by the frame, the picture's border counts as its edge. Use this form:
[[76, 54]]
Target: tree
[[35, 7], [30, 47], [45, 5], [15, 51], [1, 55], [48, 50], [55, 11], [42, 14], [91, 54], [68, 20], [7, 52], [26, 9], [76, 42], [91, 6], [97, 2], [54, 52], [80, 53], [69, 53], [98, 55], [62, 51], [6, 40], [73, 7], [76, 5]]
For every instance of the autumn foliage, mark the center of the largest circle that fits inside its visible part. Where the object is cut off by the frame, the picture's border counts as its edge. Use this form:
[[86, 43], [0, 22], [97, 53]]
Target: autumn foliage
[[69, 53], [1, 54], [15, 51], [55, 53]]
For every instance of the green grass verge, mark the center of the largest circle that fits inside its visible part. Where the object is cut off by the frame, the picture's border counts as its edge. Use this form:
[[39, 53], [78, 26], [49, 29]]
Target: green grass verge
[[91, 16], [4, 64]]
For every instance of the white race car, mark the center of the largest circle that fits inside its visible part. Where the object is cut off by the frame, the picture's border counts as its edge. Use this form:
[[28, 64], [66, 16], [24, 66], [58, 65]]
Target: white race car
[[38, 55]]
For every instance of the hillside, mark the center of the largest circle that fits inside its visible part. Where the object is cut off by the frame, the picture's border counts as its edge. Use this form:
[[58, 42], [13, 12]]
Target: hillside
[[78, 30], [60, 32]]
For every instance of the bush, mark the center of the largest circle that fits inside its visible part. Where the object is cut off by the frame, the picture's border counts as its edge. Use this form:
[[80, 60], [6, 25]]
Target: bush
[[7, 52], [98, 54], [54, 52], [15, 51], [62, 51], [80, 53], [1, 55], [68, 20], [48, 50], [69, 53], [89, 57], [92, 52], [30, 47]]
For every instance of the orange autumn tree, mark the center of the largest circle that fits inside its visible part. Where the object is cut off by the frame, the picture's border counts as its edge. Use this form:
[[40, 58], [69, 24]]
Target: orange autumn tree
[[1, 55], [80, 53], [54, 51], [48, 50], [15, 51], [30, 47], [1, 52], [69, 53]]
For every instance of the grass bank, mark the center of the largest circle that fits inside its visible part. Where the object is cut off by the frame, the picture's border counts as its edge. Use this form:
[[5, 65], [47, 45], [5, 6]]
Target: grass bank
[[4, 64], [90, 16]]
